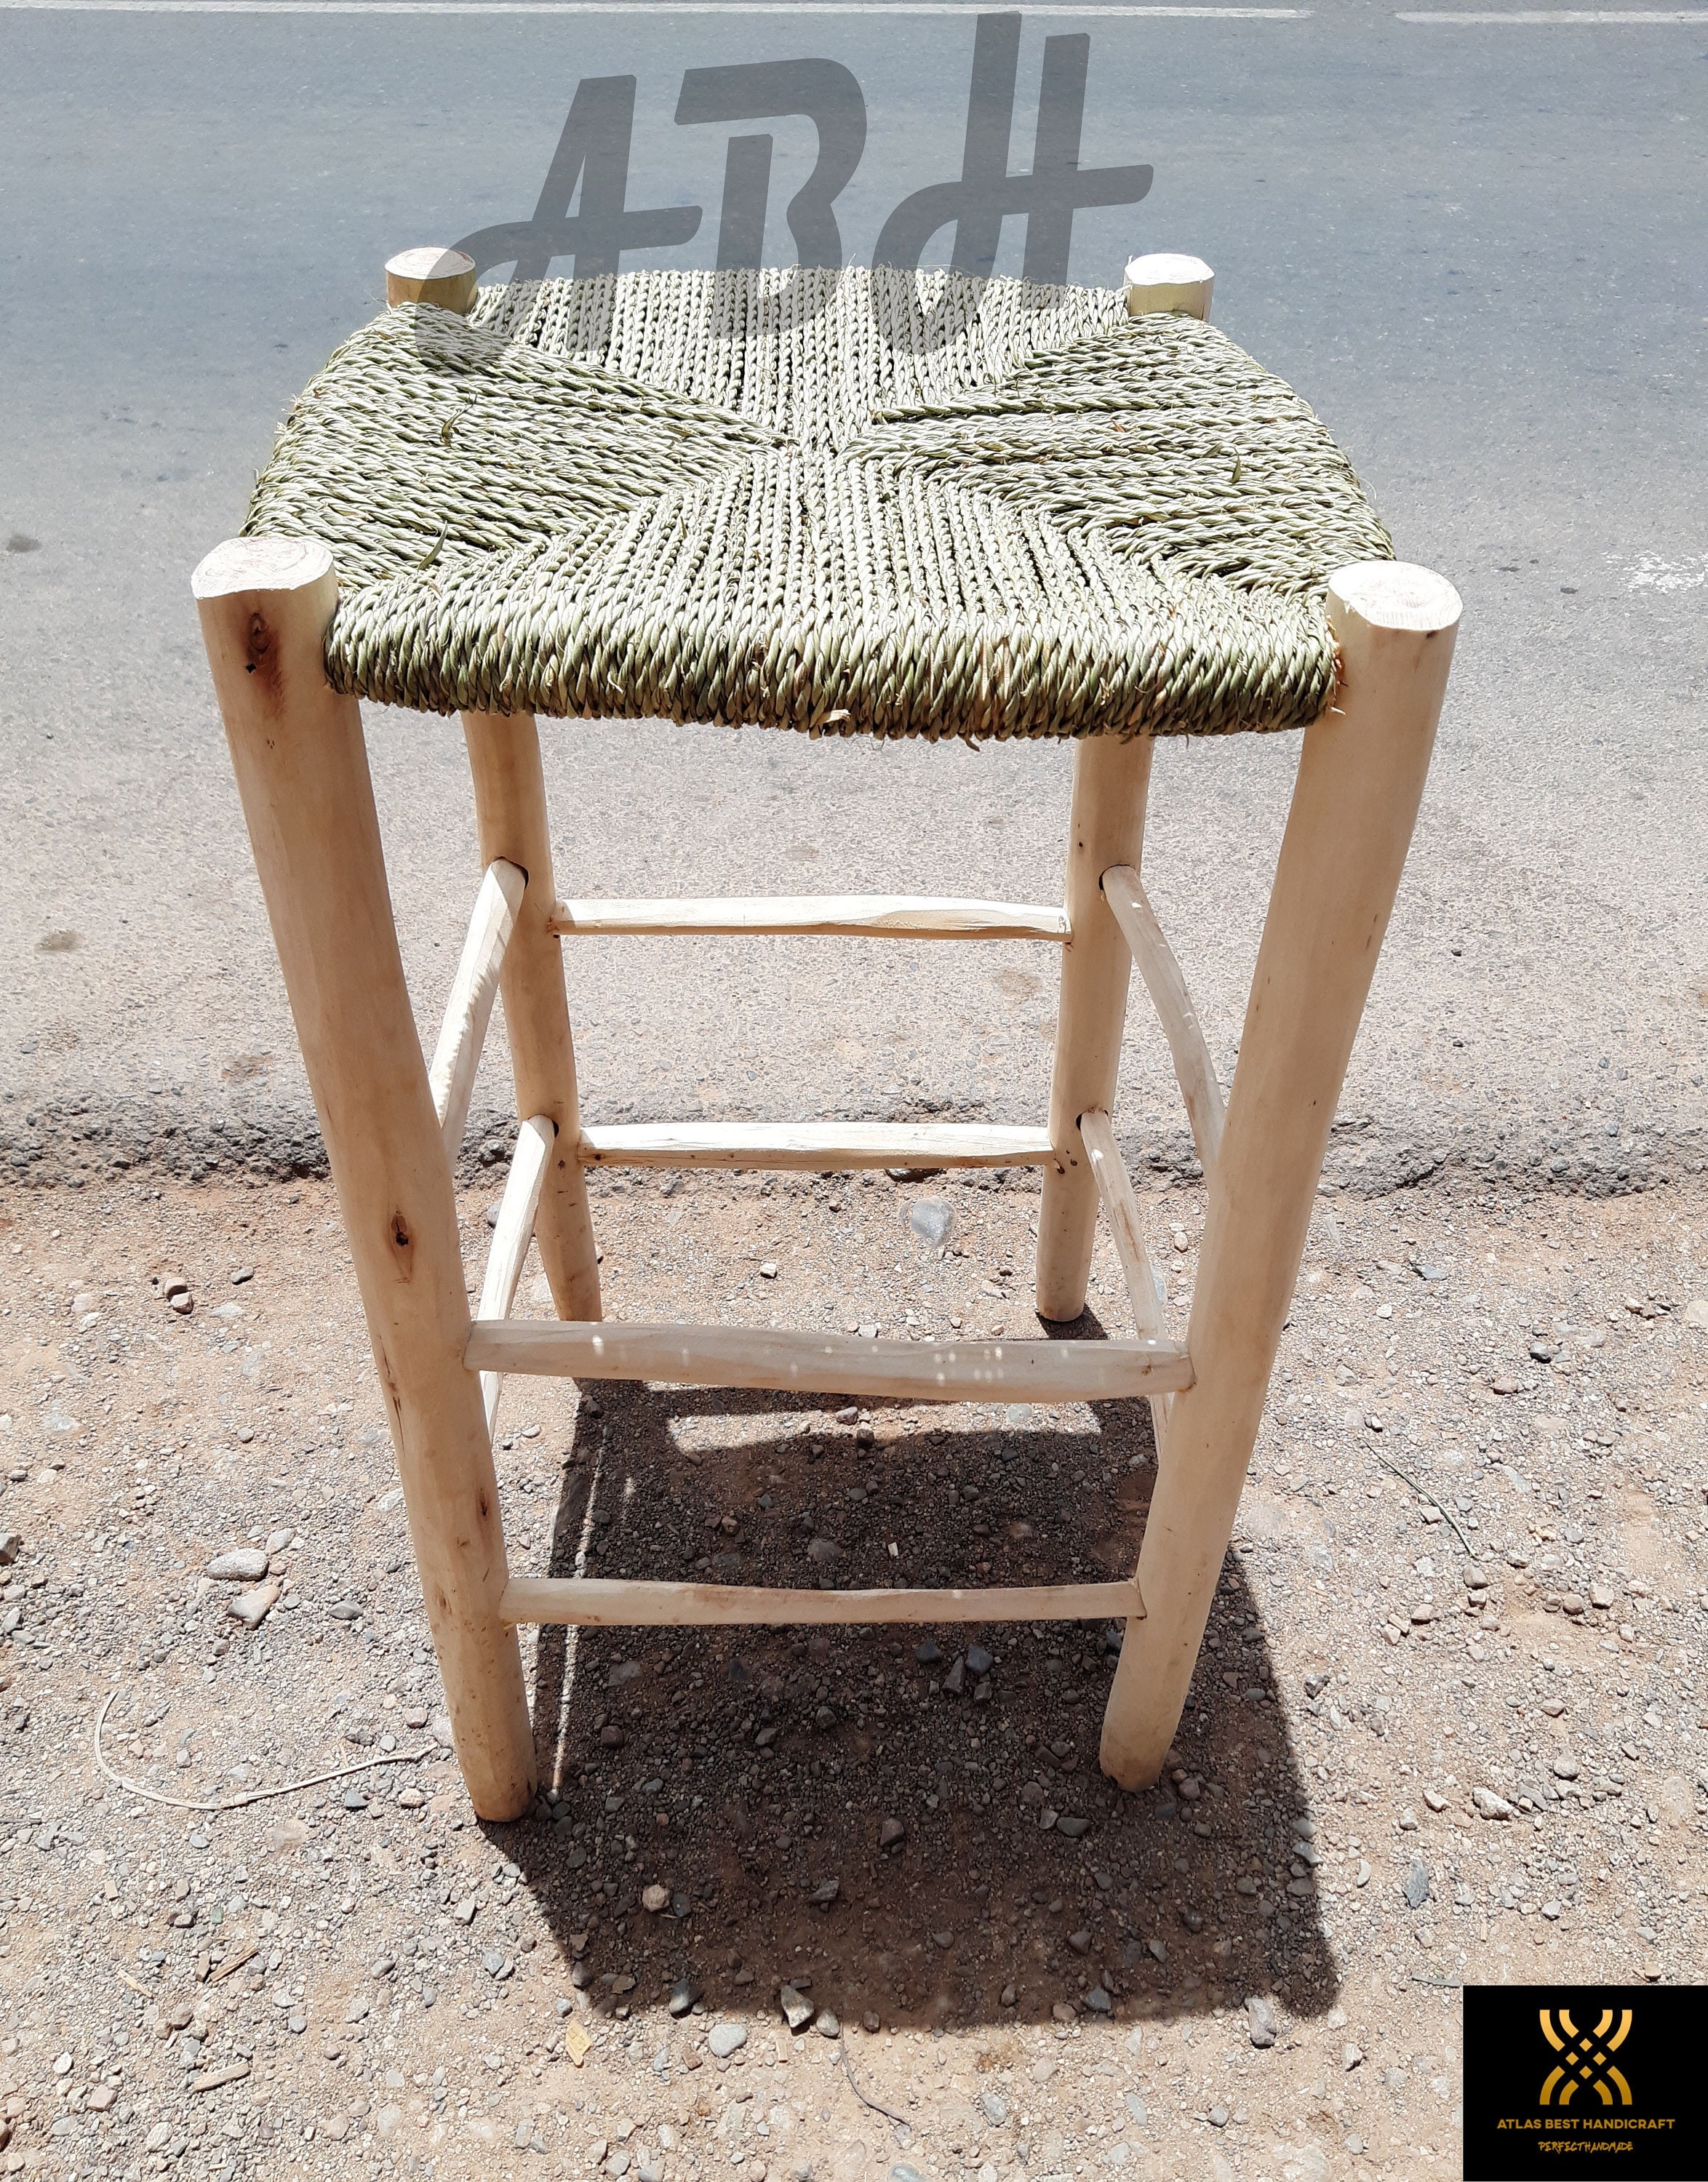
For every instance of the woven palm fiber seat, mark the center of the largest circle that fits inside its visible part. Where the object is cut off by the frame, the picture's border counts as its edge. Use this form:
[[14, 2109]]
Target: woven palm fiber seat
[[776, 500], [865, 502]]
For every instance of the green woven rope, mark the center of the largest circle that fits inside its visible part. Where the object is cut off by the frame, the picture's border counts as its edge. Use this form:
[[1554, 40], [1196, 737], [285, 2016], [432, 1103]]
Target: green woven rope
[[854, 503]]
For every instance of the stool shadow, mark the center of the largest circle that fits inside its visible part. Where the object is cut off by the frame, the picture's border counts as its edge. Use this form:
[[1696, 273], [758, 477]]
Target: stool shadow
[[746, 1769]]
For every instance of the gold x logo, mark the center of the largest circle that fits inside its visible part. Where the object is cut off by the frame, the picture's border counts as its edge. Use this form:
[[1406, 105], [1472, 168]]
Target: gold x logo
[[1585, 2057]]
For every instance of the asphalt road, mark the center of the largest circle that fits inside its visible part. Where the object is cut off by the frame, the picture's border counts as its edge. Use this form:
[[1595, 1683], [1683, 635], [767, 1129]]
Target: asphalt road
[[1478, 248]]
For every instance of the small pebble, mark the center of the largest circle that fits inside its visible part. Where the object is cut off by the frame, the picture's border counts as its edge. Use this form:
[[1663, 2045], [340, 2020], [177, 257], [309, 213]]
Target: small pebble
[[243, 1565], [930, 1219], [726, 2038], [251, 1608]]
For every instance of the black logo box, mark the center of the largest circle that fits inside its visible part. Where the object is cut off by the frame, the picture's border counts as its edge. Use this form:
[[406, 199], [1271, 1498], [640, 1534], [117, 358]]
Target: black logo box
[[1652, 2121]]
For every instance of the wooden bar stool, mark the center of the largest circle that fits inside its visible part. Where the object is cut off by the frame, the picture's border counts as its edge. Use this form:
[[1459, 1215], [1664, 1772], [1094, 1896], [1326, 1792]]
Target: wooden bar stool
[[865, 502]]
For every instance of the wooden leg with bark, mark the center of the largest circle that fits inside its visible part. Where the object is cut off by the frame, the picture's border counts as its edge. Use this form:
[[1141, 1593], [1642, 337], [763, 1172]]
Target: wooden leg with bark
[[302, 769], [1111, 779], [1360, 778]]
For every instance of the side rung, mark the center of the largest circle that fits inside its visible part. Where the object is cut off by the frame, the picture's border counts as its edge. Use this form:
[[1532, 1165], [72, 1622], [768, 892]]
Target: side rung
[[1193, 1069], [1121, 1209], [853, 915], [602, 1602], [818, 1146], [512, 1234], [457, 1057], [791, 1361]]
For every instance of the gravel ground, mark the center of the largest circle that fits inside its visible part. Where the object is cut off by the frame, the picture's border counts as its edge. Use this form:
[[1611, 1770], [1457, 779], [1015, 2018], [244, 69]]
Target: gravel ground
[[1448, 1724]]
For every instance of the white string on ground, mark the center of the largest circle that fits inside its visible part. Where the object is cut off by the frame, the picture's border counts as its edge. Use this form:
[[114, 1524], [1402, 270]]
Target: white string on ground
[[250, 1795], [1423, 1493]]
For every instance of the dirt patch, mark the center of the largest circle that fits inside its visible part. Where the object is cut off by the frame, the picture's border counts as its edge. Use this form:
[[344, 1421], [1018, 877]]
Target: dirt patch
[[368, 1979]]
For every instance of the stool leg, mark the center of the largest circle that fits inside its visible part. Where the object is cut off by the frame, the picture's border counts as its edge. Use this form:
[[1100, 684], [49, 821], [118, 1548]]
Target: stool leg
[[1111, 778], [510, 807], [1360, 778], [302, 769]]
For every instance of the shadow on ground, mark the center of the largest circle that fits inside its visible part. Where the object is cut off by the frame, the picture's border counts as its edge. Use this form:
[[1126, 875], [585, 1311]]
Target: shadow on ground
[[753, 1775]]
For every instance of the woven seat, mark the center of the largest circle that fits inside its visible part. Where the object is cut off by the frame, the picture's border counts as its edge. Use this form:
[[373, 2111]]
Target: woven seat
[[864, 502]]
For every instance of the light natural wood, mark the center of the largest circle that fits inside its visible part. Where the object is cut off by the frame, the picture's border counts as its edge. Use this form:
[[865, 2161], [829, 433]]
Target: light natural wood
[[853, 915], [432, 275], [1360, 778], [457, 1057], [1126, 1228], [606, 1603], [513, 1235], [1193, 1070], [510, 809], [1165, 281], [302, 770], [787, 1360], [815, 1147], [1110, 778]]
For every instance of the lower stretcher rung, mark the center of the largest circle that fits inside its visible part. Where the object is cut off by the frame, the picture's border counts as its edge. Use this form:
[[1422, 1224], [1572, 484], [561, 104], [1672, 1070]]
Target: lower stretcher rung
[[871, 916], [601, 1602], [787, 1360], [817, 1147]]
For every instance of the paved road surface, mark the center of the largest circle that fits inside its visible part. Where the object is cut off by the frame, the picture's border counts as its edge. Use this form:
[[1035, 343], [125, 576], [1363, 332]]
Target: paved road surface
[[1478, 249]]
